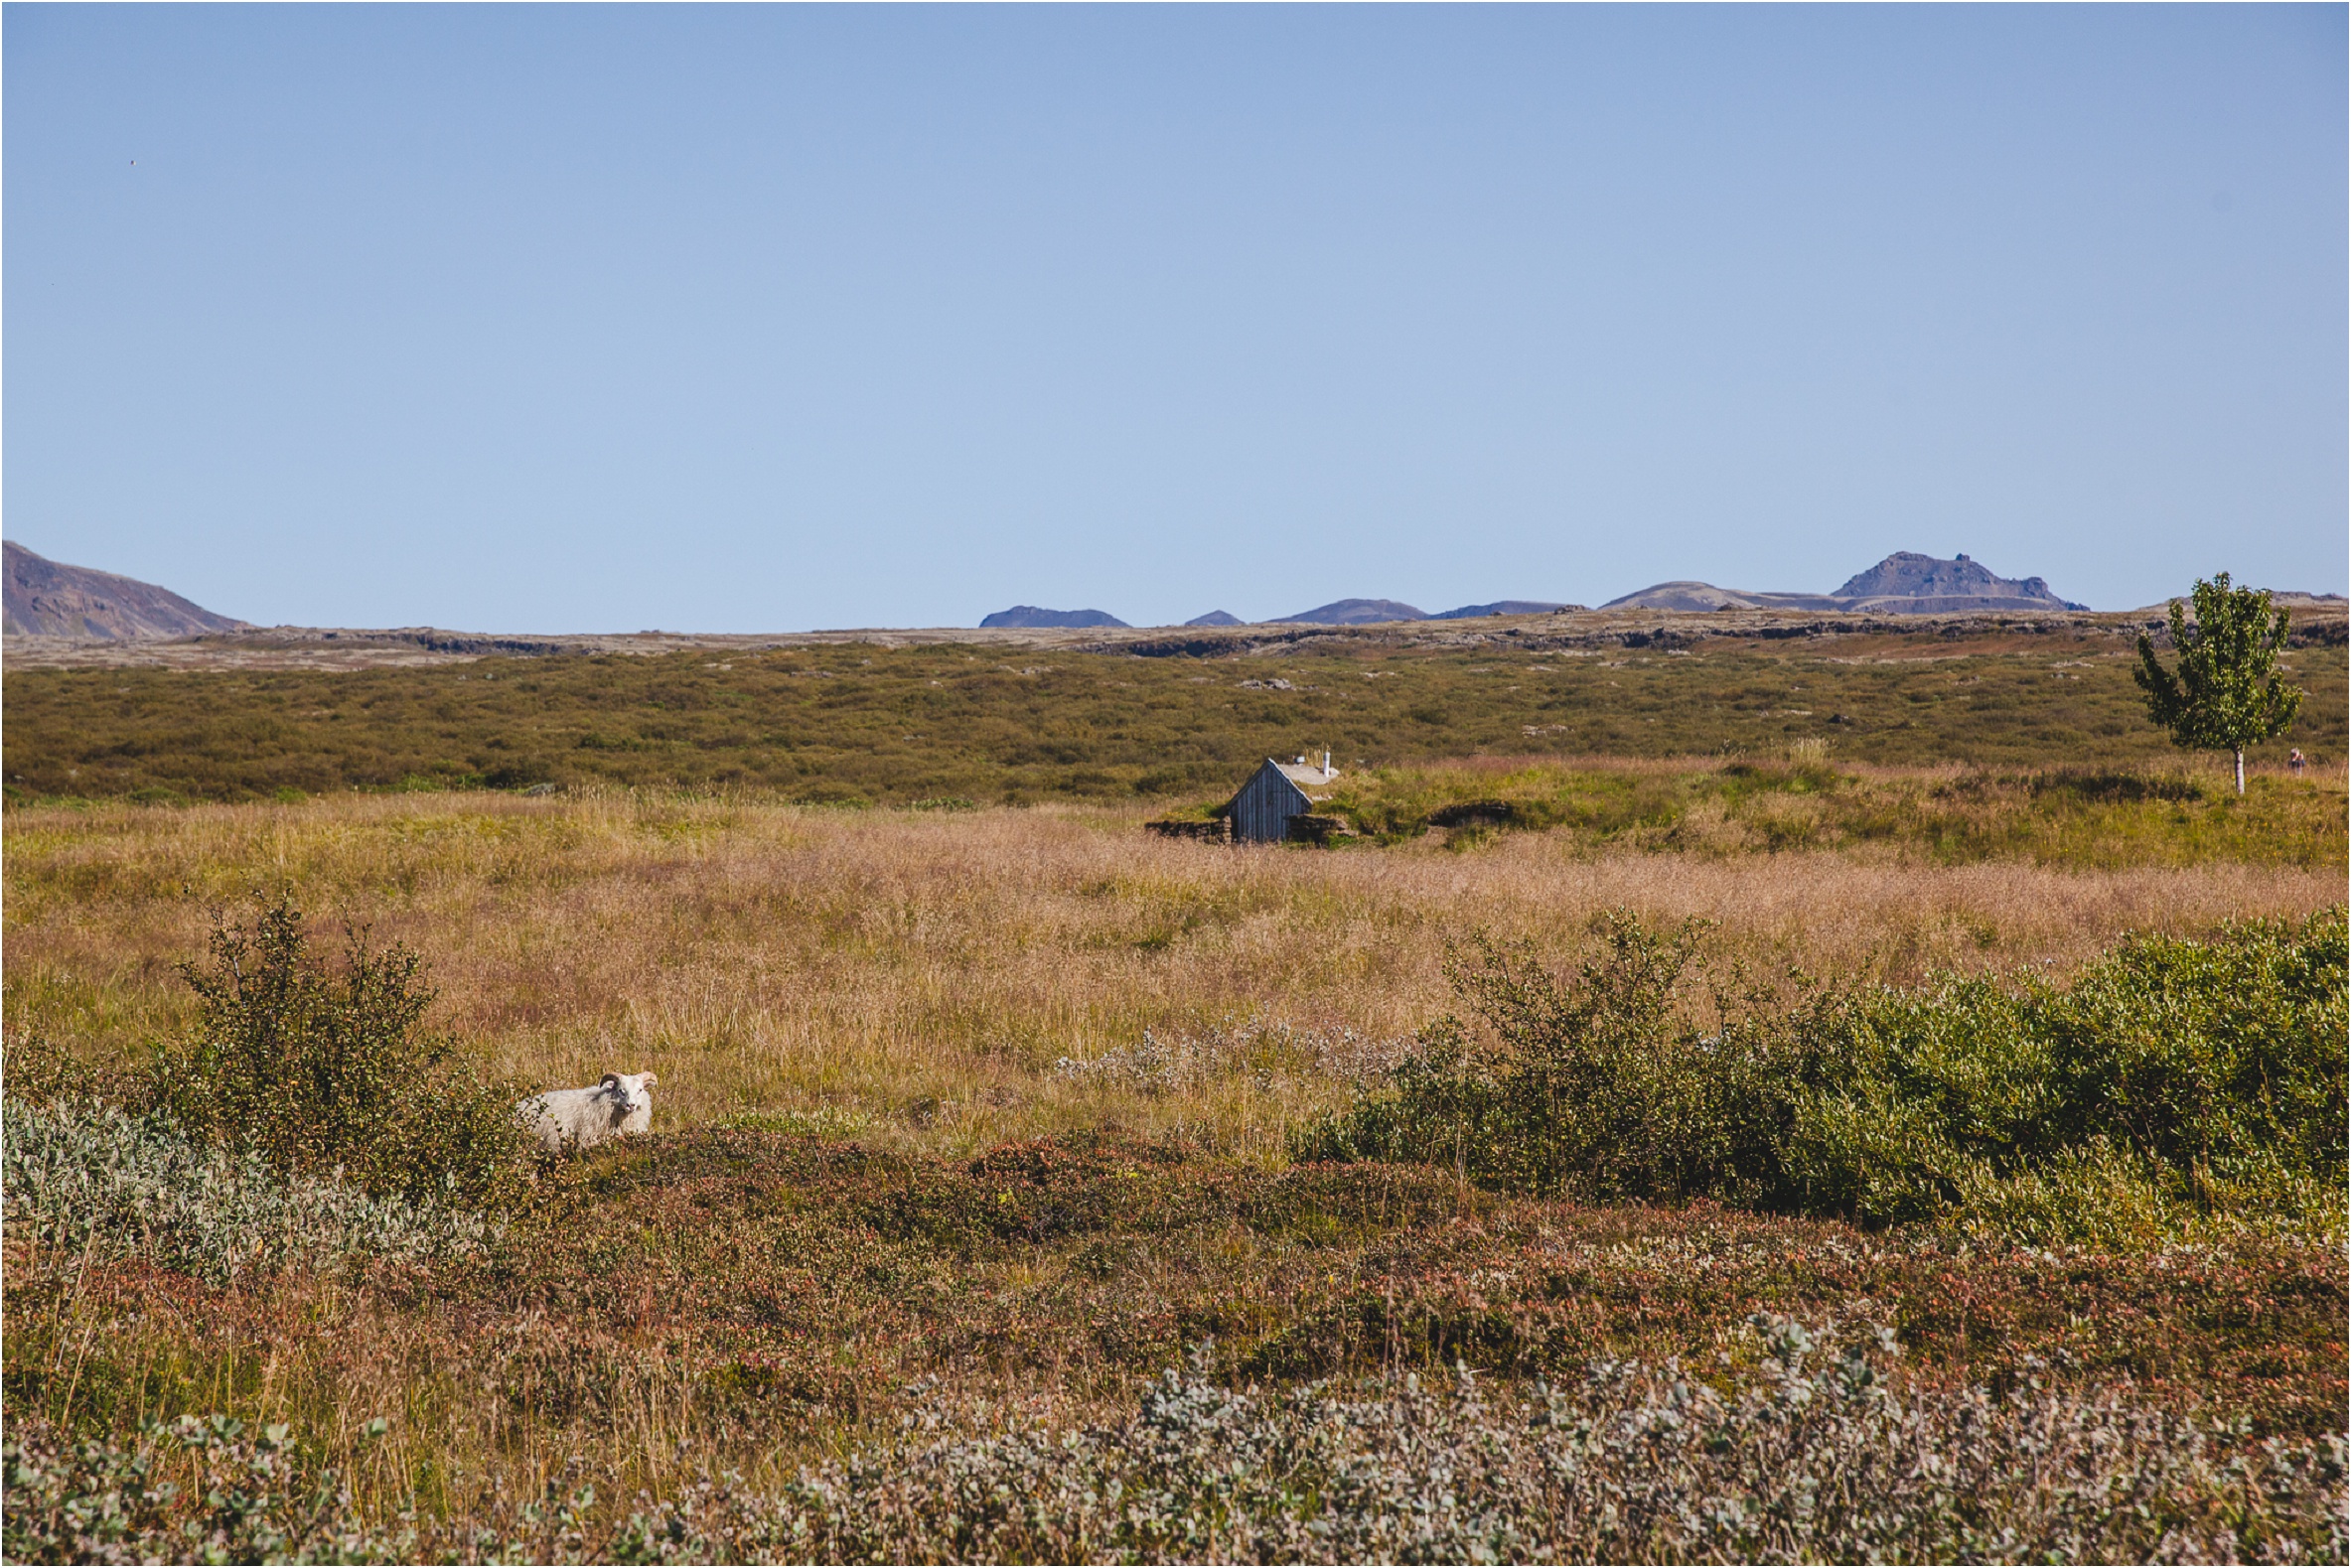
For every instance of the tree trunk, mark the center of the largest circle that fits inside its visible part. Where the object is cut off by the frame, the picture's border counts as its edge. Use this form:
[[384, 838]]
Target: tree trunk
[[2241, 772]]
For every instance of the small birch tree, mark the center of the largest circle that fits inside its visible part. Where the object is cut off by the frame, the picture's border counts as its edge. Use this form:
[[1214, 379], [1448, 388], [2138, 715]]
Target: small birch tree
[[2228, 694]]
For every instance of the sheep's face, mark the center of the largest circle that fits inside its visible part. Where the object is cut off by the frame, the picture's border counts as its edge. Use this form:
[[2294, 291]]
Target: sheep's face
[[633, 1090]]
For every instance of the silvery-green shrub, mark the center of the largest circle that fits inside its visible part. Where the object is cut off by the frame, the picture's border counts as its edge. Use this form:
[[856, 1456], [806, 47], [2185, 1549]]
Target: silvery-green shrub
[[1796, 1447], [1800, 1443], [88, 1177]]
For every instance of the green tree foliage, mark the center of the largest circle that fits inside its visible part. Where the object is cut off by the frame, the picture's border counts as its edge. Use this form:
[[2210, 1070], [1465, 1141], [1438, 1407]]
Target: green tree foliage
[[319, 1068], [2228, 694]]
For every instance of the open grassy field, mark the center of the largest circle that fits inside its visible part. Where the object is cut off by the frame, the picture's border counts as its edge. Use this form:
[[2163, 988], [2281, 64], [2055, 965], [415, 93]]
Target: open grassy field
[[922, 973], [973, 1121]]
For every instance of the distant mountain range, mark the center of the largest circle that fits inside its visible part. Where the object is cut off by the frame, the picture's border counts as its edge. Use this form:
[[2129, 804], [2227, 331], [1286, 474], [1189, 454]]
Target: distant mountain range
[[45, 598], [1338, 613], [1902, 584], [48, 598]]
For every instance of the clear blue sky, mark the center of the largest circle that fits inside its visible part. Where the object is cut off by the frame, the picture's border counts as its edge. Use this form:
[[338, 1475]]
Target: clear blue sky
[[751, 318]]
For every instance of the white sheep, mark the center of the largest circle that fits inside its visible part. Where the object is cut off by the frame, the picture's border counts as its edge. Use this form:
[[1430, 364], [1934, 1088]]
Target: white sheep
[[583, 1118]]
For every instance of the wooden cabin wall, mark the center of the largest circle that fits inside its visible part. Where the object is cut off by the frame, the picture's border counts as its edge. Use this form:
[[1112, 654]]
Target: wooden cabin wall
[[1261, 811]]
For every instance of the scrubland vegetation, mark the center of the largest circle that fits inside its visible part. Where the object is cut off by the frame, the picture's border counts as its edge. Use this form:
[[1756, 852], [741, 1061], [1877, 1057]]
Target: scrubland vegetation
[[1725, 1159], [2168, 1080], [845, 724], [1948, 816]]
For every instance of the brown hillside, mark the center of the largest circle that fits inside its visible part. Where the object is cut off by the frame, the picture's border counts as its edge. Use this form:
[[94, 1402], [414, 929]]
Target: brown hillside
[[46, 598]]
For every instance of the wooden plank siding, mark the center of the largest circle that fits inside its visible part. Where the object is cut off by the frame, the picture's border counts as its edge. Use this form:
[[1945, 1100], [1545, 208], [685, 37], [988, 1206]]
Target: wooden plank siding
[[1261, 811]]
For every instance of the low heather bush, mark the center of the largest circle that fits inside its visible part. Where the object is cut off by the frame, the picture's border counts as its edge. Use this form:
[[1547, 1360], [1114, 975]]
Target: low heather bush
[[1797, 1446], [2173, 1079], [84, 1177]]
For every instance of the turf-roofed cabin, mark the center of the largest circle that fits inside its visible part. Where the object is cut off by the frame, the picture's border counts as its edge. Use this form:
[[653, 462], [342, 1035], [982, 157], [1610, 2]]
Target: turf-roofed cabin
[[1276, 803]]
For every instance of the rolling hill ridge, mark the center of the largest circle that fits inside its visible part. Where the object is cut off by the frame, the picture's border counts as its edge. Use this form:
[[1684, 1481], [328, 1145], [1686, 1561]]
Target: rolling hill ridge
[[45, 598]]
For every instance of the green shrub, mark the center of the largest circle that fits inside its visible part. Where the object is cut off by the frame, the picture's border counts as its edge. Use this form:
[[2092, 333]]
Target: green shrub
[[329, 1071], [1594, 1088], [2208, 1074], [2172, 1079], [42, 1072], [2225, 1056]]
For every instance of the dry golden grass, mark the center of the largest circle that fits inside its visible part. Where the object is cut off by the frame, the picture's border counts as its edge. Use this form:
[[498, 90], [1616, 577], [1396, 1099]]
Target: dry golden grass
[[732, 1300], [915, 977]]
